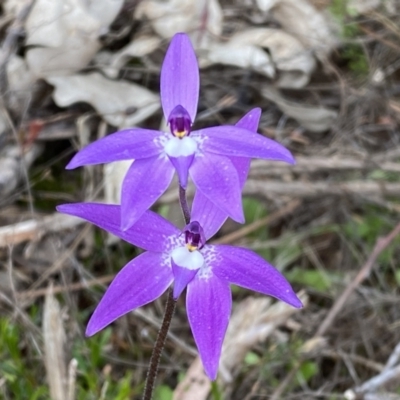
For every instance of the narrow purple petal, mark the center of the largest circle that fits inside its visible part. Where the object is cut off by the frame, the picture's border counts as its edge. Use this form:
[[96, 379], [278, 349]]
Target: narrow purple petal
[[210, 216], [151, 232], [208, 303], [238, 142], [179, 81], [141, 281], [182, 165], [205, 211], [182, 276], [128, 144], [216, 177], [245, 268], [250, 120], [145, 181]]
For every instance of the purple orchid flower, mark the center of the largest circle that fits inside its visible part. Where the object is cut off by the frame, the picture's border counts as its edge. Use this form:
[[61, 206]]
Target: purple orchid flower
[[206, 155], [182, 257]]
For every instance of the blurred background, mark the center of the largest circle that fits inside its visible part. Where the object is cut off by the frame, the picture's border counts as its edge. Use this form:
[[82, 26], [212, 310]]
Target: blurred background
[[326, 74]]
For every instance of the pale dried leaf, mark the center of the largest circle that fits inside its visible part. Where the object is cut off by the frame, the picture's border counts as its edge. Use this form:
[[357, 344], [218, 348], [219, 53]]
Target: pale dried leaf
[[51, 22], [252, 322], [66, 33], [104, 11], [73, 55], [114, 174], [54, 342], [195, 385], [303, 21], [245, 56], [34, 229], [137, 48], [113, 100], [13, 7], [245, 49], [313, 118], [200, 19]]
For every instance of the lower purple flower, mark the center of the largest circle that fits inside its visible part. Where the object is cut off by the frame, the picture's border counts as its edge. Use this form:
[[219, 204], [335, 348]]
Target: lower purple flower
[[182, 257]]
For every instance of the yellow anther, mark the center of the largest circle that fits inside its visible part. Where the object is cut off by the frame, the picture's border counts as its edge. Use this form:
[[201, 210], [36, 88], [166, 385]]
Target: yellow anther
[[180, 134], [190, 247]]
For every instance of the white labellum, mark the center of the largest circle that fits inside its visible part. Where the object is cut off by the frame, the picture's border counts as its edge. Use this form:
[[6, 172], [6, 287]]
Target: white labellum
[[184, 147], [187, 259]]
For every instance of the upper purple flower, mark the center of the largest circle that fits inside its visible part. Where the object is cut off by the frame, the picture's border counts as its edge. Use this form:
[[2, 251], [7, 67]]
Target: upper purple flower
[[182, 257], [206, 155]]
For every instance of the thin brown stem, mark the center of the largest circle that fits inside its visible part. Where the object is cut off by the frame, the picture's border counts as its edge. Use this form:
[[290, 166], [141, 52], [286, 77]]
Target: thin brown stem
[[158, 347], [184, 204]]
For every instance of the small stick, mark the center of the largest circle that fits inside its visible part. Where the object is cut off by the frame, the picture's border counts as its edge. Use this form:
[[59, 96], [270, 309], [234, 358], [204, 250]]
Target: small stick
[[381, 245], [239, 233]]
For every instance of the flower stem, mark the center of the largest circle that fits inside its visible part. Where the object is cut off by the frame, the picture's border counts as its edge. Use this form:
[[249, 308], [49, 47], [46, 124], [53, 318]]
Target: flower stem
[[168, 314], [158, 347], [184, 204]]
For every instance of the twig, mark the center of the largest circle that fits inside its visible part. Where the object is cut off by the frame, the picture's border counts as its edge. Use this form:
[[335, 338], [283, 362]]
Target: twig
[[317, 188], [314, 164], [238, 234], [381, 245]]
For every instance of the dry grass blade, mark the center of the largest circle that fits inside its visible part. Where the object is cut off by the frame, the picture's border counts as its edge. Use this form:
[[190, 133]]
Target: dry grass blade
[[54, 342], [34, 229]]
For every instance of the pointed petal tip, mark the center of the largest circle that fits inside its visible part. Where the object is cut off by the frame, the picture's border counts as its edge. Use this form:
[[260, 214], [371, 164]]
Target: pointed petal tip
[[297, 303], [91, 330], [71, 165], [292, 299], [211, 373], [238, 217], [63, 208]]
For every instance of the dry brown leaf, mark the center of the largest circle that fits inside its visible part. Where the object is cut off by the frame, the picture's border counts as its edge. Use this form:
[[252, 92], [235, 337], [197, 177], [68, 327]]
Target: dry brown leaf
[[113, 100], [303, 21], [314, 118], [200, 19], [286, 54], [139, 47], [66, 33]]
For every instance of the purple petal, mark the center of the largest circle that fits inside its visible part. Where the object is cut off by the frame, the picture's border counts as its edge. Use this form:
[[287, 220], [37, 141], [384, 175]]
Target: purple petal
[[128, 144], [182, 276], [250, 120], [210, 216], [141, 281], [179, 81], [216, 177], [182, 165], [208, 304], [145, 181], [238, 142], [245, 268], [151, 232]]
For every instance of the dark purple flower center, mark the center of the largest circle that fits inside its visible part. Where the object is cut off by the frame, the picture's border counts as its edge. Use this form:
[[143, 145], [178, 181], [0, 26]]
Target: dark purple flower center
[[179, 122], [194, 236]]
